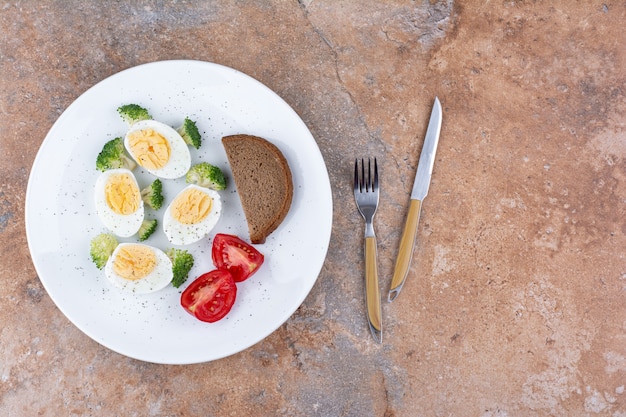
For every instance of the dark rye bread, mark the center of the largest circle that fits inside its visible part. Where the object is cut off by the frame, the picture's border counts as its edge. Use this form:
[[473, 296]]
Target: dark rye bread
[[263, 180]]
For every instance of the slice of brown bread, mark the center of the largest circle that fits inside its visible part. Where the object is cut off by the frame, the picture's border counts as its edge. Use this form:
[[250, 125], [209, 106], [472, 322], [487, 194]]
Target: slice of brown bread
[[263, 180]]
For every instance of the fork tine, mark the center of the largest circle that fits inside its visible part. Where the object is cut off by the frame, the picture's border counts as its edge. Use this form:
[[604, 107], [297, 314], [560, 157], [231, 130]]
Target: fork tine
[[363, 180], [356, 174], [375, 185], [368, 181]]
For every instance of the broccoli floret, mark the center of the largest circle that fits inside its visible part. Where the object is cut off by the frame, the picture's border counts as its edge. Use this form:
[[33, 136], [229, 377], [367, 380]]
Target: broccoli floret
[[114, 156], [182, 261], [148, 226], [189, 132], [133, 113], [152, 195], [101, 248], [206, 175]]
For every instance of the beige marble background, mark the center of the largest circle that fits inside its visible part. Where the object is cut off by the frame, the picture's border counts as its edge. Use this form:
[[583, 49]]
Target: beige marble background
[[516, 300]]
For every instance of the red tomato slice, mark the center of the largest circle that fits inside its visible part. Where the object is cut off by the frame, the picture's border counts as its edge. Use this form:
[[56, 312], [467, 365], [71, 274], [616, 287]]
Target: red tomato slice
[[211, 296], [235, 256]]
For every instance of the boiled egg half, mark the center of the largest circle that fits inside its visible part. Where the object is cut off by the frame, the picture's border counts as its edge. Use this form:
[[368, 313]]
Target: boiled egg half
[[158, 148], [191, 215], [138, 268], [118, 202]]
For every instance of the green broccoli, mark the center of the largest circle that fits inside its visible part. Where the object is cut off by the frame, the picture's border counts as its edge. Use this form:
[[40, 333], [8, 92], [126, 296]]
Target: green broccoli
[[114, 156], [133, 113], [152, 195], [206, 175], [148, 226], [182, 261], [101, 248], [189, 132]]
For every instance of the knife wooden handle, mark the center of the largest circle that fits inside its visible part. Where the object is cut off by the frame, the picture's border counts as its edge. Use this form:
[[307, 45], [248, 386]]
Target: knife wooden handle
[[372, 290], [407, 243]]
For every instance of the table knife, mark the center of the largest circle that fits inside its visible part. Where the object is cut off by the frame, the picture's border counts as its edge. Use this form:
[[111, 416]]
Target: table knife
[[419, 192]]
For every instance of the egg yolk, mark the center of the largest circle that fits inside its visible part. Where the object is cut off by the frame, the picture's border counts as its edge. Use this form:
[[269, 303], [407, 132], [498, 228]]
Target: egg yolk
[[150, 148], [122, 194], [191, 206], [134, 262]]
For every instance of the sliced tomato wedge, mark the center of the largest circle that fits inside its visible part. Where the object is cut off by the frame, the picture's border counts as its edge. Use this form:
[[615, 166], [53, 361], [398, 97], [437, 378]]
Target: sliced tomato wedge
[[211, 296], [236, 256]]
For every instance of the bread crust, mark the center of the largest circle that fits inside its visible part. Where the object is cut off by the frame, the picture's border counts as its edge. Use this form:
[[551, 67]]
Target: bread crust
[[263, 180]]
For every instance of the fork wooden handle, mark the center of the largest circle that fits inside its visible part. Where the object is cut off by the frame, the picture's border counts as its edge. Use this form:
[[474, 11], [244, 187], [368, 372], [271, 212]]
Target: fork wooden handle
[[407, 243], [372, 290]]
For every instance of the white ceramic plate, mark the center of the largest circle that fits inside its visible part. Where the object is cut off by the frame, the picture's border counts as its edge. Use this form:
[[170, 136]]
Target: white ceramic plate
[[61, 219]]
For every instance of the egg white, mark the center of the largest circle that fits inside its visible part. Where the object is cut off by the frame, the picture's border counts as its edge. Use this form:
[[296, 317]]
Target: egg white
[[184, 234], [156, 280], [119, 224], [180, 157]]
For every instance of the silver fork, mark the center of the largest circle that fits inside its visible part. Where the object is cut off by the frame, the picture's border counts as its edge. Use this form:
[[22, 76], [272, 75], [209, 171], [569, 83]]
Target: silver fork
[[366, 195]]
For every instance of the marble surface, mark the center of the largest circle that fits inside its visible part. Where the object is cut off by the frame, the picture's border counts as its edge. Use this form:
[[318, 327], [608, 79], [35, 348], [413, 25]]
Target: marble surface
[[515, 303]]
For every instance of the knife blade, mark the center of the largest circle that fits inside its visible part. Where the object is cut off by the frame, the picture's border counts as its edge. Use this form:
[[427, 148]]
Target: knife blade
[[419, 192]]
